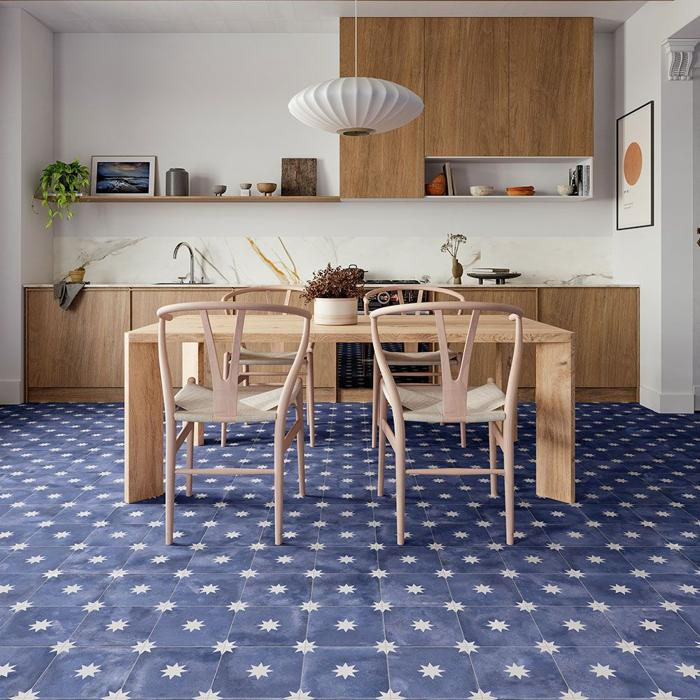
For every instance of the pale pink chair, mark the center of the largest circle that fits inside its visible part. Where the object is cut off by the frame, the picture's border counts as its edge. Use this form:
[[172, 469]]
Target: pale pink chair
[[429, 359], [230, 401], [255, 358], [451, 402]]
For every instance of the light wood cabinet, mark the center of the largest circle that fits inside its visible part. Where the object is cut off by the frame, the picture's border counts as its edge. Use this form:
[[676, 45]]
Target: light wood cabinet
[[80, 350], [484, 362], [390, 164], [606, 323], [550, 86], [466, 86]]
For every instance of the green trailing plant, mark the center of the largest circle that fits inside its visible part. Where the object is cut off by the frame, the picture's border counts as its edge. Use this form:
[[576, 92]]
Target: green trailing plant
[[335, 283], [60, 186]]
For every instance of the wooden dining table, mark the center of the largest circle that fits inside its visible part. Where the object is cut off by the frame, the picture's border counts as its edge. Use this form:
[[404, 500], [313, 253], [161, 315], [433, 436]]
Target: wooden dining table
[[554, 392]]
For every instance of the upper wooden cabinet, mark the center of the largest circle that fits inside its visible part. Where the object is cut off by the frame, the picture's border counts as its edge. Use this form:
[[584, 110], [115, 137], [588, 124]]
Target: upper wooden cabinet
[[390, 164], [466, 86], [550, 86]]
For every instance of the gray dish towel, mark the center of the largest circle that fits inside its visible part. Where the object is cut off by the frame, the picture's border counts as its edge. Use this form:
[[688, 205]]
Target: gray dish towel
[[66, 292]]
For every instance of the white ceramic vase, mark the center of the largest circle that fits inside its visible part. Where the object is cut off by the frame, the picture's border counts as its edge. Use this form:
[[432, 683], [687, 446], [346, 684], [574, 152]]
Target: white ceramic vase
[[335, 312]]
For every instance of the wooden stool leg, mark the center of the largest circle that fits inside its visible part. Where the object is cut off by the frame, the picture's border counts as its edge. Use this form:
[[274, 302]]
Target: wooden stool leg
[[463, 435], [279, 489], [223, 434], [375, 400], [300, 445], [190, 458], [400, 493], [310, 417], [170, 455], [509, 488], [493, 458], [382, 446]]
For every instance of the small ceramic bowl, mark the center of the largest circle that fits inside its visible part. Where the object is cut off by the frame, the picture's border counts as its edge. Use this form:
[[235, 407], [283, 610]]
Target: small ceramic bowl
[[219, 190], [565, 190], [245, 185], [481, 190], [266, 188]]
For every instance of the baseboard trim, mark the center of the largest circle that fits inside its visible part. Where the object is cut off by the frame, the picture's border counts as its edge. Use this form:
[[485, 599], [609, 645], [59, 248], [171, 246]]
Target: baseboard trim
[[667, 402], [11, 392]]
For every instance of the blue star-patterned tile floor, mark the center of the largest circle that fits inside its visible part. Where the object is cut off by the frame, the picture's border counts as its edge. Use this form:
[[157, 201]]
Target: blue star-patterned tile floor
[[600, 600]]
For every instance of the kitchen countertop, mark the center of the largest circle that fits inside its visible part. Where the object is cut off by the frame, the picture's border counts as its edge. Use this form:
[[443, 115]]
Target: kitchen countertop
[[475, 285]]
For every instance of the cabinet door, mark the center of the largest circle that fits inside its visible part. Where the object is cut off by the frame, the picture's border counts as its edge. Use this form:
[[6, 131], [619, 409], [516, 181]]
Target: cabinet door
[[82, 347], [551, 86], [390, 164], [466, 86], [484, 355], [606, 324]]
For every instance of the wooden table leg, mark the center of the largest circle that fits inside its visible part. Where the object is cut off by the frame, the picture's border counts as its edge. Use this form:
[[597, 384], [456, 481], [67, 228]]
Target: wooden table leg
[[193, 366], [143, 422], [554, 394]]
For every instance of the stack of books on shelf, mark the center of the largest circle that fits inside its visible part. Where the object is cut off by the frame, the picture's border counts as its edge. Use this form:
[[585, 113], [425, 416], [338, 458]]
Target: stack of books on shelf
[[580, 180], [490, 270]]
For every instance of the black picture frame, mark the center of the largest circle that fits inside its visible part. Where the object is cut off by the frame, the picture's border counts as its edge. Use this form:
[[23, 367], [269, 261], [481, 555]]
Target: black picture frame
[[618, 159]]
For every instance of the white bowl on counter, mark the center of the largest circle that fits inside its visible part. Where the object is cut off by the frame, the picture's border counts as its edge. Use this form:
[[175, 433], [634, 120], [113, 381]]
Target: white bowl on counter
[[481, 190]]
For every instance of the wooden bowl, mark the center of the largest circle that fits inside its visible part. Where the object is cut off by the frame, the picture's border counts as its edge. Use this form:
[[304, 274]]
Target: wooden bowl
[[266, 188]]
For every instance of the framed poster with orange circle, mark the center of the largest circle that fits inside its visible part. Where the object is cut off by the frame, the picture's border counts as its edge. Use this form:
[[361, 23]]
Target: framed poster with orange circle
[[635, 168]]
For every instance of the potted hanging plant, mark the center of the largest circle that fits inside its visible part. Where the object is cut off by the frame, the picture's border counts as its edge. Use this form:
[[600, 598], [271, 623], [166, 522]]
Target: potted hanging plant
[[334, 292], [60, 186], [451, 246]]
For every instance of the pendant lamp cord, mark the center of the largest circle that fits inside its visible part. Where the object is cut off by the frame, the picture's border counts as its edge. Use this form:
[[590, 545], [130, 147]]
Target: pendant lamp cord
[[356, 38]]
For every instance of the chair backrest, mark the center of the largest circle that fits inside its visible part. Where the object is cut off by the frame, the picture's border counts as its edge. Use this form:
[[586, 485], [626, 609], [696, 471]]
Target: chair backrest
[[288, 289], [399, 289], [226, 370], [454, 388]]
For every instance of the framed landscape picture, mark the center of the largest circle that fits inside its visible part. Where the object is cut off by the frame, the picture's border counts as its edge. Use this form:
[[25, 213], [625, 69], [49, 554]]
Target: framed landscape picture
[[123, 175], [635, 168]]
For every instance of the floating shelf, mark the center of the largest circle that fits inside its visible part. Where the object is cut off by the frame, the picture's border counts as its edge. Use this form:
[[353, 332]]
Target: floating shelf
[[503, 197], [199, 199]]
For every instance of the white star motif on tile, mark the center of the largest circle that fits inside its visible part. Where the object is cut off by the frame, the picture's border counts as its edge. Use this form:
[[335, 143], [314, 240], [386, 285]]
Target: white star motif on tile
[[663, 695], [525, 606], [390, 695], [116, 695], [650, 625], [259, 671], [208, 695], [483, 589], [224, 647], [87, 671], [117, 625], [193, 625], [498, 625], [6, 670], [173, 671], [482, 695], [345, 625], [345, 671], [422, 625], [573, 695], [305, 646], [601, 671], [546, 647], [687, 671], [516, 671], [25, 695], [431, 671], [269, 625], [41, 625], [385, 647], [466, 647], [144, 646], [299, 695], [574, 625]]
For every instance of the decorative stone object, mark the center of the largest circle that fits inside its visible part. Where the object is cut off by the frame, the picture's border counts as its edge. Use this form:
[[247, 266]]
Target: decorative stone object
[[680, 54], [299, 177], [245, 188], [219, 190]]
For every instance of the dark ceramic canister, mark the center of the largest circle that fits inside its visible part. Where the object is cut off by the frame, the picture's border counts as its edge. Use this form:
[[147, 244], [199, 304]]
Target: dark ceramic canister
[[177, 183]]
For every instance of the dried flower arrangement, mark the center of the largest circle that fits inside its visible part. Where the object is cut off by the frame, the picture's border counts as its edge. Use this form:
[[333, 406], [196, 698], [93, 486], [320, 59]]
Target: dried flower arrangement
[[334, 283], [451, 245]]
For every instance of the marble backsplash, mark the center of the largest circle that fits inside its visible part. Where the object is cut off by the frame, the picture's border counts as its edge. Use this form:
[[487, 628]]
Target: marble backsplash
[[244, 260]]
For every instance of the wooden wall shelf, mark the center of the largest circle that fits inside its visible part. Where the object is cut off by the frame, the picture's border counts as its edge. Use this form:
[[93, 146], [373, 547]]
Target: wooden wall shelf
[[201, 199]]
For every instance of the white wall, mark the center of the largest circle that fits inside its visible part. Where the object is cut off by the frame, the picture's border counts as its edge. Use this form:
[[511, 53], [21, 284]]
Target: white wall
[[659, 258], [696, 226], [26, 145], [217, 106]]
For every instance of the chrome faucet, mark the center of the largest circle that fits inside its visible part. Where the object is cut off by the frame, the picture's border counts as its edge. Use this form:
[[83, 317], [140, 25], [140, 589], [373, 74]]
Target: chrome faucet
[[187, 245]]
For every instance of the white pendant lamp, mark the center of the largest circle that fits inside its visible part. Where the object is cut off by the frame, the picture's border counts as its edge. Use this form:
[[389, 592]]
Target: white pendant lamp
[[356, 106]]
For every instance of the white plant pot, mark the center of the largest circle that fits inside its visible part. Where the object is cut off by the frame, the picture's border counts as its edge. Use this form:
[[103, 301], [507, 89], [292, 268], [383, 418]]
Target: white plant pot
[[335, 312]]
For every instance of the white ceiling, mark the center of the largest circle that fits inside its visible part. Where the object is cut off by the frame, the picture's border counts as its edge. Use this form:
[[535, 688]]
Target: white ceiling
[[290, 15]]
